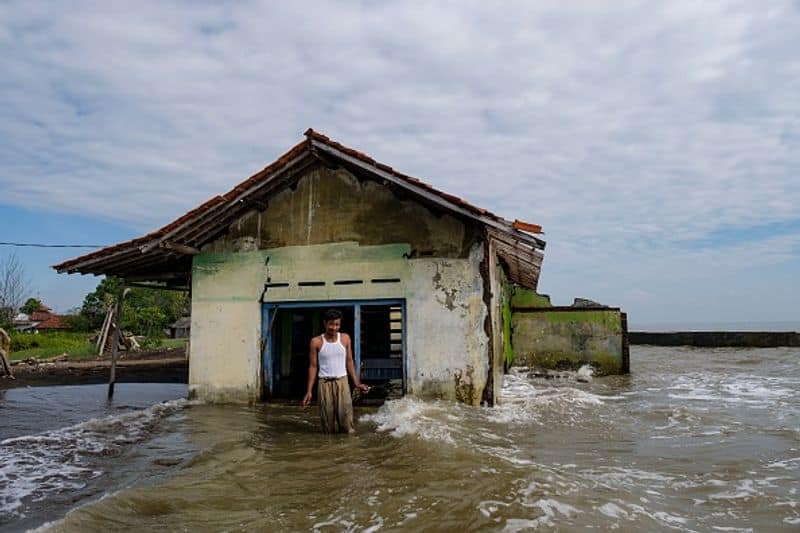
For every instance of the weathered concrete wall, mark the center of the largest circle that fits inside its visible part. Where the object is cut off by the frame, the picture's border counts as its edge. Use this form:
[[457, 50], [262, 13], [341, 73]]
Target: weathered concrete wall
[[225, 359], [224, 365], [333, 227], [327, 206], [446, 345], [566, 338]]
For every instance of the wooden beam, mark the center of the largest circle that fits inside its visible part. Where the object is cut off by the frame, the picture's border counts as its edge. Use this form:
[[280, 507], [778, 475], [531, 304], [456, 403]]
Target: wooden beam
[[183, 288], [178, 247], [161, 276], [260, 205], [325, 159], [112, 378]]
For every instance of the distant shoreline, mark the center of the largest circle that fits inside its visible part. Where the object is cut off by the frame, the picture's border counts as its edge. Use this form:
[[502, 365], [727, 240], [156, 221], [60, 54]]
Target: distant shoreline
[[716, 339]]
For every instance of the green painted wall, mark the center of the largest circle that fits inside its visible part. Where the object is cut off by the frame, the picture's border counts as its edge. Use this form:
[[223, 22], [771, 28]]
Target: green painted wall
[[566, 339]]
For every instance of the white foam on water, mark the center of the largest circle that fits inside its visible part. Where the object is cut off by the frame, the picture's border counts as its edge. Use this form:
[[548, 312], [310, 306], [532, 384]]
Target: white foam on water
[[669, 520], [35, 466], [522, 402], [740, 389], [551, 509], [612, 510], [411, 416], [628, 478], [585, 373], [788, 464], [745, 489]]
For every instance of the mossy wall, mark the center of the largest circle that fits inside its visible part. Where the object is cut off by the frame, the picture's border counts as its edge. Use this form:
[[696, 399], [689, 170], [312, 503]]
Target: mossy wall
[[524, 298], [559, 338]]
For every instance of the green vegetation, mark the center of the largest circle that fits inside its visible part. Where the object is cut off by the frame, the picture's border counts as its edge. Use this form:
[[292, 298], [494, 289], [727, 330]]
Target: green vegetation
[[523, 298], [146, 311], [75, 345], [31, 305], [604, 318], [43, 345]]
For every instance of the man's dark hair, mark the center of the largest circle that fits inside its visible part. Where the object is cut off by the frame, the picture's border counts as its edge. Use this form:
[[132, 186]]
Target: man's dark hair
[[332, 314]]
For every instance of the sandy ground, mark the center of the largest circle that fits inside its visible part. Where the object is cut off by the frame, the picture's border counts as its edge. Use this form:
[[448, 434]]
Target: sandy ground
[[159, 366]]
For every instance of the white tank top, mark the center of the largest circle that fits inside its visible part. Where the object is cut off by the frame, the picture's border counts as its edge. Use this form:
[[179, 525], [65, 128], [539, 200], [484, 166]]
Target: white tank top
[[332, 357]]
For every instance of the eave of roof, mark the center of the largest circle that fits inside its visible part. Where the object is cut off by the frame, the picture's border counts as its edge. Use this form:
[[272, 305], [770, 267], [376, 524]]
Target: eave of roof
[[154, 254]]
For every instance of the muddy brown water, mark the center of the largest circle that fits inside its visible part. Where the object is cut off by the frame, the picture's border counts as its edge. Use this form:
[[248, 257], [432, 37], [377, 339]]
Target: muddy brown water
[[694, 439]]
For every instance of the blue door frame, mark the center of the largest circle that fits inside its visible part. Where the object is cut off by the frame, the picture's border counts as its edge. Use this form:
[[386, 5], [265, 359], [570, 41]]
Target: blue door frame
[[269, 311]]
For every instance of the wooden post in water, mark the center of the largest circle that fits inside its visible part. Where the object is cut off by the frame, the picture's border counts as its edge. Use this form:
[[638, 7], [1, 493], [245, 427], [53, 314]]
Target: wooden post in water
[[112, 379]]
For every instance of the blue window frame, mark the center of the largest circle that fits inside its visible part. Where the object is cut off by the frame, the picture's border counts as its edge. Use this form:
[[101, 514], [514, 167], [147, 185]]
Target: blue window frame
[[269, 311]]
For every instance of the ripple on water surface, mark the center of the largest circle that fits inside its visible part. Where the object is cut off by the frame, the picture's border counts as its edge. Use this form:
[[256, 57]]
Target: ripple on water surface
[[676, 445]]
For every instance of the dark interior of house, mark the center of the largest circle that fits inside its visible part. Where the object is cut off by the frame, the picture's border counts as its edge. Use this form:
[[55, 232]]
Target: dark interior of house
[[380, 343]]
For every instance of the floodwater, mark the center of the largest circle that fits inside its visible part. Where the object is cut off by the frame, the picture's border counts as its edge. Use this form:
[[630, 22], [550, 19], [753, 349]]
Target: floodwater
[[694, 439]]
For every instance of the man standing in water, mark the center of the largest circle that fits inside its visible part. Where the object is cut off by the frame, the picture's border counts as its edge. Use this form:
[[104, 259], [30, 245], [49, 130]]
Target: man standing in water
[[330, 358]]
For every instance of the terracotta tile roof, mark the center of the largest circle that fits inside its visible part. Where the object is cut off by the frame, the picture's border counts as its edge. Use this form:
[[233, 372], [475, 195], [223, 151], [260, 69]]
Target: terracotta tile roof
[[52, 322], [39, 316], [144, 256]]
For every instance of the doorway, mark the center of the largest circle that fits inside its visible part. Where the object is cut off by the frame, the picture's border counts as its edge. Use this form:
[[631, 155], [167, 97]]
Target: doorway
[[377, 330]]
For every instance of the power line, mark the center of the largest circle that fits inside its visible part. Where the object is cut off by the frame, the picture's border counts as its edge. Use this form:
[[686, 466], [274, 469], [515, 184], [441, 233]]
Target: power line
[[39, 245]]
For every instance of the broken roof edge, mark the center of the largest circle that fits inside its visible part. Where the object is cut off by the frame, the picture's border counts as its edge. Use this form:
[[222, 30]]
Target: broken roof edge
[[423, 189], [150, 242]]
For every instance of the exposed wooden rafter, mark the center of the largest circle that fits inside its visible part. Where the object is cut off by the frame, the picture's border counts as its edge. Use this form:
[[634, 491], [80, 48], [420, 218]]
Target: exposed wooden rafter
[[178, 247]]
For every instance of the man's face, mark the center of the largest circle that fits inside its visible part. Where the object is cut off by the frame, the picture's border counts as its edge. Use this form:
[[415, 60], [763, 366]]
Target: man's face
[[332, 326]]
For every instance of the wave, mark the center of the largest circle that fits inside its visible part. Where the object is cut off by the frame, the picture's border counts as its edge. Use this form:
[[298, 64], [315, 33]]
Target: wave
[[35, 466], [522, 404]]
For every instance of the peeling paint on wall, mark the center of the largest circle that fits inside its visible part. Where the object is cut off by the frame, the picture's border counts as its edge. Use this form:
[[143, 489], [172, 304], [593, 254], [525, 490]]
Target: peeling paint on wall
[[333, 227]]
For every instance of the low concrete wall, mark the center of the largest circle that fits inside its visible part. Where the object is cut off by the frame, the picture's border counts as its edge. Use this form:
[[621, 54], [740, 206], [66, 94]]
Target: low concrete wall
[[709, 339], [570, 337]]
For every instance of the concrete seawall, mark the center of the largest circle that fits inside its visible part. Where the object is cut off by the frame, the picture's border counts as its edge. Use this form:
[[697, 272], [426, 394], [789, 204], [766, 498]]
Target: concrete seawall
[[711, 339]]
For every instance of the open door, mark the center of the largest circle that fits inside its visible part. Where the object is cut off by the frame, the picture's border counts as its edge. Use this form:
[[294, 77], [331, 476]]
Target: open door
[[377, 331]]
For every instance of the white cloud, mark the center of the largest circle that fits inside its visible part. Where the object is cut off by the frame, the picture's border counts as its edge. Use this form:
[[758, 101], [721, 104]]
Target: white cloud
[[623, 128]]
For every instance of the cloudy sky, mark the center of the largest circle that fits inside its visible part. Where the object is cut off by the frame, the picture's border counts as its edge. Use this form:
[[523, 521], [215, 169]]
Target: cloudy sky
[[657, 143]]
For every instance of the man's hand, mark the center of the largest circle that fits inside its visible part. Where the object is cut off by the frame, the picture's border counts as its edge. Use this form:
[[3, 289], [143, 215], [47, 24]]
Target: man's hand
[[306, 400], [363, 388]]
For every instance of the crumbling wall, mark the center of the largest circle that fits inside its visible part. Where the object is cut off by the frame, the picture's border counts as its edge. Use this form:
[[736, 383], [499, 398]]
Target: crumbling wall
[[447, 345], [566, 337]]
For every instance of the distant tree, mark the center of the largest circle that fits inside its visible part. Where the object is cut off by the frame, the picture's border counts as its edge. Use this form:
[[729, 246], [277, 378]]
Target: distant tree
[[146, 311], [75, 321], [97, 302], [14, 284], [31, 305]]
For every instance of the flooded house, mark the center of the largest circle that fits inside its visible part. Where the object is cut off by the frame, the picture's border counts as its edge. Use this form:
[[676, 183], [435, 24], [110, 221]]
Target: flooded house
[[424, 279]]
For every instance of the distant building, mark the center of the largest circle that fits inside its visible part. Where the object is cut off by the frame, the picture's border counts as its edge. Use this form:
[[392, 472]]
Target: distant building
[[180, 328], [43, 319]]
